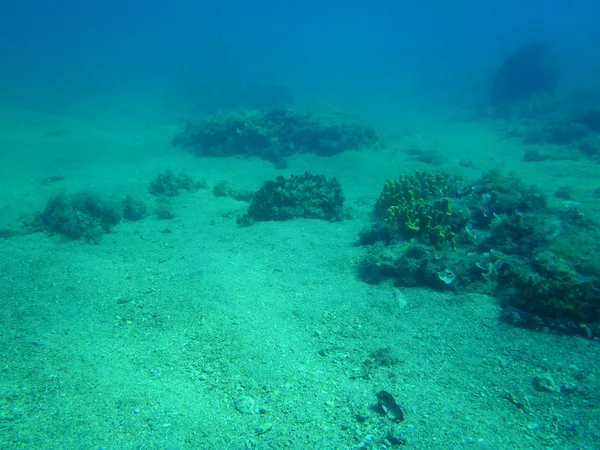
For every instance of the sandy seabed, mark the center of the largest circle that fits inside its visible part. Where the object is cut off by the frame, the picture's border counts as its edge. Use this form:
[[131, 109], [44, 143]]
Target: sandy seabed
[[221, 337]]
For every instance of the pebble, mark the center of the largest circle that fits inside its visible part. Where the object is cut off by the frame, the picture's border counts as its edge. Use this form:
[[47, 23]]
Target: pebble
[[545, 383], [264, 428], [569, 387], [394, 436], [245, 404]]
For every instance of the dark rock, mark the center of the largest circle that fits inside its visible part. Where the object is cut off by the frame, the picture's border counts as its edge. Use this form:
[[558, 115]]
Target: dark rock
[[388, 405], [533, 69]]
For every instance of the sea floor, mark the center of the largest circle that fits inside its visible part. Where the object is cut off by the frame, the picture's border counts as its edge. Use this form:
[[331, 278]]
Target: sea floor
[[216, 336]]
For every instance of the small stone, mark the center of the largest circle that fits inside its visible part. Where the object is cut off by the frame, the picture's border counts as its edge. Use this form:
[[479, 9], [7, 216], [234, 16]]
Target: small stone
[[245, 404], [545, 383], [264, 428], [580, 374], [394, 436]]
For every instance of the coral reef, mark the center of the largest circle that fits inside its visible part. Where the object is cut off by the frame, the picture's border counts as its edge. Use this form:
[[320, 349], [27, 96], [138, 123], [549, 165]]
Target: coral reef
[[274, 135], [420, 185], [543, 263], [432, 221], [308, 195], [569, 138], [554, 290], [568, 127], [565, 132]]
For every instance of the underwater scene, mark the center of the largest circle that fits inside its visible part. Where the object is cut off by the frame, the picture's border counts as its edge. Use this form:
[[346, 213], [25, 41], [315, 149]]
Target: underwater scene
[[300, 225]]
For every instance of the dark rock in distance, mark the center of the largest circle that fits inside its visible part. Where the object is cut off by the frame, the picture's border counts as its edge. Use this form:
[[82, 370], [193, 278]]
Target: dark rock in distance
[[531, 70]]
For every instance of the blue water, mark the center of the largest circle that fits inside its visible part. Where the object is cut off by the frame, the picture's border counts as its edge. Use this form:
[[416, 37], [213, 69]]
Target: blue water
[[429, 46]]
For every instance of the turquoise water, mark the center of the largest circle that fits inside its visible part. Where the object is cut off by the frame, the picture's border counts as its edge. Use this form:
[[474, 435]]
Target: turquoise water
[[147, 305]]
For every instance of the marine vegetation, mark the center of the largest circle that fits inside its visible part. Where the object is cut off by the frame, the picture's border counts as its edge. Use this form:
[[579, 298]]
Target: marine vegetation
[[164, 208], [309, 196], [134, 209], [498, 237], [274, 135], [84, 216], [169, 185]]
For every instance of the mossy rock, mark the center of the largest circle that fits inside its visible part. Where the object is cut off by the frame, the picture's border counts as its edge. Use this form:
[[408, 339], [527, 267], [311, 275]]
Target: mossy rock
[[168, 184], [554, 291], [309, 196], [274, 135], [84, 216]]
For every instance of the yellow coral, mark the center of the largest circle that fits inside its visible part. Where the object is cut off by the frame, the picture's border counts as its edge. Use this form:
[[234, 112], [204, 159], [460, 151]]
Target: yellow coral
[[418, 205]]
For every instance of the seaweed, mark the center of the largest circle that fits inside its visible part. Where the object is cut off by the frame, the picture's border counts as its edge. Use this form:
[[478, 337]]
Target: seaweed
[[84, 216], [170, 185]]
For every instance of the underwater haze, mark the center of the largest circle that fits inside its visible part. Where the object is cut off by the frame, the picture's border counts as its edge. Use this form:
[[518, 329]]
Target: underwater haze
[[297, 225], [422, 48]]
